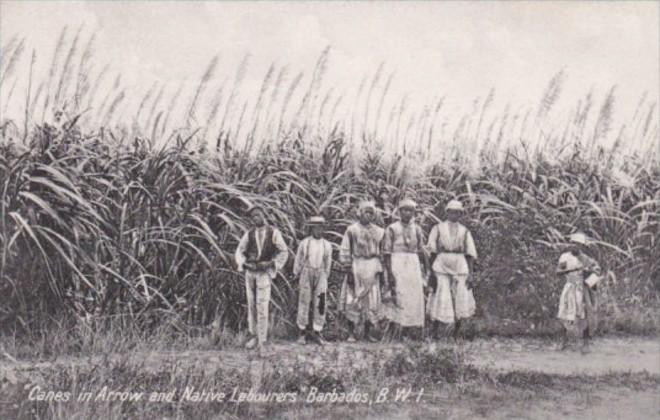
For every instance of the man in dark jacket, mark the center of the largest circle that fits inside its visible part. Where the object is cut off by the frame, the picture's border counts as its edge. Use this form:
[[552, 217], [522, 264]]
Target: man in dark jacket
[[261, 253]]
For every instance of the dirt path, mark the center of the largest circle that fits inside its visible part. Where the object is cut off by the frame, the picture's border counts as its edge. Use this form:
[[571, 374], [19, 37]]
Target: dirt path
[[606, 400], [604, 403], [608, 355]]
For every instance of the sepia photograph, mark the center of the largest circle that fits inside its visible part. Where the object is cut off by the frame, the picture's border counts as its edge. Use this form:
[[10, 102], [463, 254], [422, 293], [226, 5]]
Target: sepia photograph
[[297, 209]]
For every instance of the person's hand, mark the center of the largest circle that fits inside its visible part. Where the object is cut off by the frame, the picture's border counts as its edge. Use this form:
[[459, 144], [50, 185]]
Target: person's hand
[[250, 266]]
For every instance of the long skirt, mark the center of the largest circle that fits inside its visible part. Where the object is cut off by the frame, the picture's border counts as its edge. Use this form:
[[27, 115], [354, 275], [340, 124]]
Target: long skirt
[[571, 302], [452, 299], [363, 301], [409, 286]]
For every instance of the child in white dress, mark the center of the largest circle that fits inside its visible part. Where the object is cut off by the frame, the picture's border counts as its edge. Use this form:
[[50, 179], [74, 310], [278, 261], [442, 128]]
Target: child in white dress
[[577, 304]]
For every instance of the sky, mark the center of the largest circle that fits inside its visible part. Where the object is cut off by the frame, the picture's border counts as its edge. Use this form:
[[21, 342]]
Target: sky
[[455, 49]]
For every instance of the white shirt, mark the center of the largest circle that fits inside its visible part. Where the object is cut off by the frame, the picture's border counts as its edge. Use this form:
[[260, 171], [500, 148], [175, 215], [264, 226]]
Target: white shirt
[[452, 242], [316, 252], [260, 236], [313, 253]]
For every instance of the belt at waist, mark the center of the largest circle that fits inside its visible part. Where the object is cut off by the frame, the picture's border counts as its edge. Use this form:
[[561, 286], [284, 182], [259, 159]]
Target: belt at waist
[[452, 252], [367, 258], [257, 271], [311, 267]]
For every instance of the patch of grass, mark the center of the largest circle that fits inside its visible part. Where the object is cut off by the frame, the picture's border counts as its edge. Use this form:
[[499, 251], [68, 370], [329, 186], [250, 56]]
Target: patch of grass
[[539, 380], [441, 374]]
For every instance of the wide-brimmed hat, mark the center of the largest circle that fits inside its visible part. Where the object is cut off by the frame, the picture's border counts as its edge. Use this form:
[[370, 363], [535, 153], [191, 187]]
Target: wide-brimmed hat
[[407, 203], [578, 238], [316, 221], [454, 205]]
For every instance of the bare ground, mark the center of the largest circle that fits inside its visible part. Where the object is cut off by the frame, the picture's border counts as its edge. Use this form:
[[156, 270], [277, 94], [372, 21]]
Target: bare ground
[[607, 356]]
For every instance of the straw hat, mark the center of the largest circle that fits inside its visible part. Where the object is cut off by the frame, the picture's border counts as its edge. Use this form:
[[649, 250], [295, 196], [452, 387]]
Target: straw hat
[[407, 203], [364, 205], [454, 205], [316, 221]]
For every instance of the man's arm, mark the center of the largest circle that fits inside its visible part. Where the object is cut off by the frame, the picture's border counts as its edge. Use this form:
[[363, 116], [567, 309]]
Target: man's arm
[[282, 251], [327, 258], [240, 252], [300, 259]]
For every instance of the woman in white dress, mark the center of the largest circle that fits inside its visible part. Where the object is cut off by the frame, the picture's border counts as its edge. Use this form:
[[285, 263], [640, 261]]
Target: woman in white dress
[[360, 298], [405, 263], [452, 251]]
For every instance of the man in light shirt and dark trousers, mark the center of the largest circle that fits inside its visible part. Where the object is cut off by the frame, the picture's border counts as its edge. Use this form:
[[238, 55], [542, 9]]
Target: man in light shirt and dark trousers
[[312, 268], [261, 253]]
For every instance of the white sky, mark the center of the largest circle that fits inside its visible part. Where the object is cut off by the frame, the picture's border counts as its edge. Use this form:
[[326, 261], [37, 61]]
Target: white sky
[[457, 49]]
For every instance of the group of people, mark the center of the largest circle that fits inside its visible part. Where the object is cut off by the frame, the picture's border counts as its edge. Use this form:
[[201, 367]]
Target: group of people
[[392, 274]]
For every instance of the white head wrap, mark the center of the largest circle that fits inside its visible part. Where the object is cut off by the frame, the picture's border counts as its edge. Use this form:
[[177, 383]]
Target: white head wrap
[[454, 205], [407, 203], [364, 205]]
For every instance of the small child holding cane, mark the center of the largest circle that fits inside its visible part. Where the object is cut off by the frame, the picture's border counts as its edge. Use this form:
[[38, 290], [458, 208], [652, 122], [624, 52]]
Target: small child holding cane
[[577, 304]]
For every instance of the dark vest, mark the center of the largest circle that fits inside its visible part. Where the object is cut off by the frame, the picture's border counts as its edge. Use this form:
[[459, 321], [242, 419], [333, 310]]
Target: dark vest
[[268, 249]]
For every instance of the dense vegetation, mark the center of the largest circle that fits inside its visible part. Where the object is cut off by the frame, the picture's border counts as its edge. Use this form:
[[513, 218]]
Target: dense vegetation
[[111, 206]]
